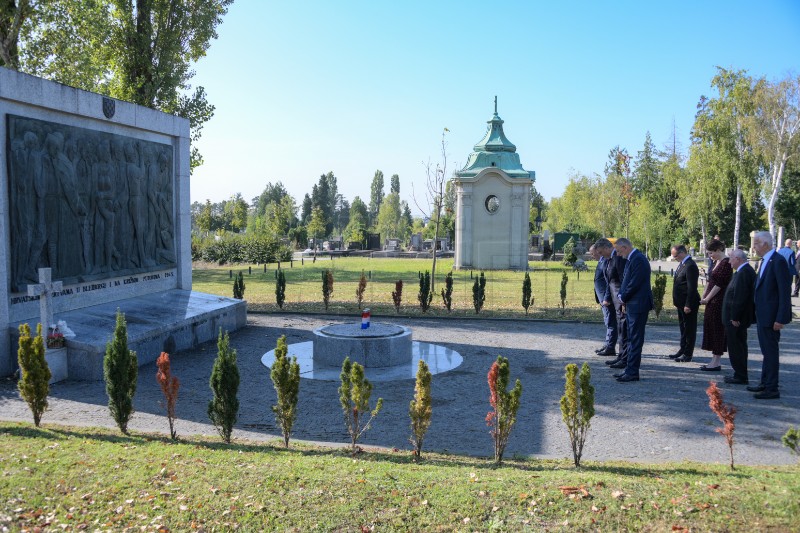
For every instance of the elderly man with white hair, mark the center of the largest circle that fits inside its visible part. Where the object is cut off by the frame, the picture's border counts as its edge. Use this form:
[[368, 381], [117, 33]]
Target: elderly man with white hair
[[773, 311], [737, 315]]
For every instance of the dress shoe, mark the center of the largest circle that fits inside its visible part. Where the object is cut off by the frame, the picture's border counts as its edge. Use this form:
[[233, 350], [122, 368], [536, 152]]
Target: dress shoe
[[676, 355], [733, 380], [619, 375], [711, 368], [607, 351], [684, 359], [621, 364], [625, 378], [767, 395], [756, 388], [613, 361]]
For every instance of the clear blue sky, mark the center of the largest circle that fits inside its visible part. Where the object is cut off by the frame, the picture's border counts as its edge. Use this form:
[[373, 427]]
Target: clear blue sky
[[303, 88]]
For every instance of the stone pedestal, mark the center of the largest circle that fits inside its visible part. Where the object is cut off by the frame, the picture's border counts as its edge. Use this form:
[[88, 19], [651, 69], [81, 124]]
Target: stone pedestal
[[57, 361], [380, 345]]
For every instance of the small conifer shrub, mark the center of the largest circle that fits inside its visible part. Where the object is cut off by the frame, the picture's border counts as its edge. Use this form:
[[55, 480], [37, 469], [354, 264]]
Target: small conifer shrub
[[223, 409], [327, 287], [280, 289], [285, 375], [726, 414], [564, 281], [659, 288], [420, 408], [577, 407], [362, 286], [238, 286], [479, 293], [354, 394], [34, 381], [397, 295], [169, 386], [447, 292], [791, 439], [505, 404], [425, 295], [527, 294], [569, 252], [120, 370]]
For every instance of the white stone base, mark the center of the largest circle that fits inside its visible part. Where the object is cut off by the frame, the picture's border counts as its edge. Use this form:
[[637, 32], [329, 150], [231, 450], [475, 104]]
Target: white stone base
[[57, 361]]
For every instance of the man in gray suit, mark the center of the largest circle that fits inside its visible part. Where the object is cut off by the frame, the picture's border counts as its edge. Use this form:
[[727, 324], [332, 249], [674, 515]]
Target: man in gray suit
[[609, 316], [737, 315]]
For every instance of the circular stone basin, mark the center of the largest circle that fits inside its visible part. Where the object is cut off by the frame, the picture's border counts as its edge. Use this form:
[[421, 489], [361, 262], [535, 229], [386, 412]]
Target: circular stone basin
[[378, 346]]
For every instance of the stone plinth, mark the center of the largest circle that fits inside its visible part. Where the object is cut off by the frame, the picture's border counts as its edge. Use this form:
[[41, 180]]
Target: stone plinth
[[381, 345], [57, 362]]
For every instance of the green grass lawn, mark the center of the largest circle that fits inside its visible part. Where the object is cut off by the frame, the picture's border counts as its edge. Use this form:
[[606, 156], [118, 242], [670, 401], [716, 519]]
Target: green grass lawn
[[67, 478], [503, 288]]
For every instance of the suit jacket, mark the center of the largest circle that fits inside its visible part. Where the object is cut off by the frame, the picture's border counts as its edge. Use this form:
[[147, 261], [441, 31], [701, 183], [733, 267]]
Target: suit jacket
[[635, 291], [772, 293], [615, 270], [600, 282], [684, 286], [737, 304], [788, 254]]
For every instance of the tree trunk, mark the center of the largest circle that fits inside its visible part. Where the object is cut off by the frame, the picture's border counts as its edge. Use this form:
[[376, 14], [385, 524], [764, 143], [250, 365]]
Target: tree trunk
[[777, 174], [738, 222]]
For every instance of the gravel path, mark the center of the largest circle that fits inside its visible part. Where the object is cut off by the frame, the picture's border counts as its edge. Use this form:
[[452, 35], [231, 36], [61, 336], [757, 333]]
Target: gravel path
[[664, 417]]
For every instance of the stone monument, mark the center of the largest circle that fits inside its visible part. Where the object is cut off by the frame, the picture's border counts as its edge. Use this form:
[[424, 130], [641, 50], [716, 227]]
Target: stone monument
[[96, 192], [493, 194]]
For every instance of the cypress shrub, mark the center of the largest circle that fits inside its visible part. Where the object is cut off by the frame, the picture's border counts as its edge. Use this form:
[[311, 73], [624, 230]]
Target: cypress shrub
[[420, 408], [447, 292], [120, 370], [327, 287], [362, 286], [659, 288], [479, 293], [238, 286], [527, 294], [34, 381], [577, 407], [285, 375], [564, 280], [223, 409], [354, 394], [425, 295], [505, 405], [169, 386], [280, 289], [397, 295]]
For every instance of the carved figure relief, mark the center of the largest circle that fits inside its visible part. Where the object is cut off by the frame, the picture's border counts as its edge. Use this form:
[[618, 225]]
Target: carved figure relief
[[85, 203]]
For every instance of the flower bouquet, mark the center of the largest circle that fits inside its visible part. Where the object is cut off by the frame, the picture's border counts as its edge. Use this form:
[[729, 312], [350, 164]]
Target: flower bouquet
[[55, 339]]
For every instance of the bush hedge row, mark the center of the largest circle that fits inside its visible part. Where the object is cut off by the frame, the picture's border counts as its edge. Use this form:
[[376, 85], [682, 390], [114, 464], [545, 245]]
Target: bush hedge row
[[240, 249]]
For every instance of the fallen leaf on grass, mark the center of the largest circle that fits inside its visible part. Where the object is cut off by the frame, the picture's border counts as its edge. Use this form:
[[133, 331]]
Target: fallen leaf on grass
[[617, 494], [714, 486]]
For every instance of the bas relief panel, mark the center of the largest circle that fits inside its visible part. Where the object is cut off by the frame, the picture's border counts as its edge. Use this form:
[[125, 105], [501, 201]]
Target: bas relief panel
[[87, 204]]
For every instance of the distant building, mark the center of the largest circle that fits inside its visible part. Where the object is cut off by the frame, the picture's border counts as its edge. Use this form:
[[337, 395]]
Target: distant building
[[493, 204]]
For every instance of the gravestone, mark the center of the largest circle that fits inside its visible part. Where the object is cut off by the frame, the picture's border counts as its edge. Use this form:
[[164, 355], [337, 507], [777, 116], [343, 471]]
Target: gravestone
[[97, 191], [45, 290]]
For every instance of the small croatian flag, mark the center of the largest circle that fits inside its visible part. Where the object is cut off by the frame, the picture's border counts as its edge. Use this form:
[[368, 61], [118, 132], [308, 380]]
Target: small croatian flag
[[365, 319]]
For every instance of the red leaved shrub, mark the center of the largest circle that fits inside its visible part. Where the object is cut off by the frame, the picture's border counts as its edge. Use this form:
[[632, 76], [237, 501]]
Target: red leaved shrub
[[725, 412], [169, 386]]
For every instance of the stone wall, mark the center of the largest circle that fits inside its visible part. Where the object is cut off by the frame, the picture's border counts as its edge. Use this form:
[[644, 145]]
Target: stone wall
[[95, 189]]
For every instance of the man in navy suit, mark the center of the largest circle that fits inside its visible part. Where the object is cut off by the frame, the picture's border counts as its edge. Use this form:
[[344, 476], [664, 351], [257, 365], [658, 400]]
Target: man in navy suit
[[737, 315], [773, 311], [614, 271], [609, 317], [636, 296]]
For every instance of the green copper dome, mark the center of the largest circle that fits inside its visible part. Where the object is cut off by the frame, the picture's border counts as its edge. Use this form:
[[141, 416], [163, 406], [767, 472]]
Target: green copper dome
[[495, 150]]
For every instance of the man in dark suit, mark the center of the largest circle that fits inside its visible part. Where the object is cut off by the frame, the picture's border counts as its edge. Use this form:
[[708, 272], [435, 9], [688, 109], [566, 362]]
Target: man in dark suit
[[609, 318], [636, 297], [737, 315], [614, 270], [788, 254], [686, 300], [773, 311]]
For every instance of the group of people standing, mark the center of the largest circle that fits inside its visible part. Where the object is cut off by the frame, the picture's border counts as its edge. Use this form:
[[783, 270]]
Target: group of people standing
[[735, 296]]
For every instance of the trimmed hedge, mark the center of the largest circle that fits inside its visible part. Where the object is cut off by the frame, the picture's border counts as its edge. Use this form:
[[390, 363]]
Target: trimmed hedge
[[240, 249]]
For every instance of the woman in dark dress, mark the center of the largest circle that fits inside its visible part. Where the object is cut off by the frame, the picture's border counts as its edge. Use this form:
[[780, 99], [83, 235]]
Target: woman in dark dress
[[713, 330]]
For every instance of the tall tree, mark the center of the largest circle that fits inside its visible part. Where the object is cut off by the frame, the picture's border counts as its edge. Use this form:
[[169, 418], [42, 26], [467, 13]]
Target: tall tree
[[306, 208], [775, 134], [720, 145], [391, 222], [394, 184], [138, 51], [357, 225], [618, 173], [12, 16], [375, 196]]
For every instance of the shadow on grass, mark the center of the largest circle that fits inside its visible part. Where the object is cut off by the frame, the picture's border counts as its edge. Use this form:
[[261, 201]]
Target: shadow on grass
[[400, 457]]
